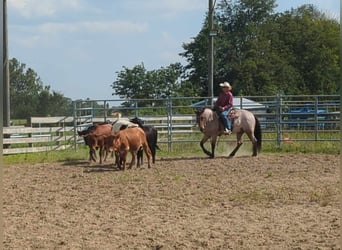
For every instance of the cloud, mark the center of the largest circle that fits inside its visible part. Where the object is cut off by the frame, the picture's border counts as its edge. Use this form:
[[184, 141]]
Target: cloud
[[326, 4], [329, 7], [49, 8], [46, 33], [42, 8], [165, 8], [172, 6], [118, 26]]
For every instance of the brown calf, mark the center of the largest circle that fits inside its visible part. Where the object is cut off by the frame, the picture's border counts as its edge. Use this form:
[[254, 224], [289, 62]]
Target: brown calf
[[94, 138], [130, 140], [97, 142]]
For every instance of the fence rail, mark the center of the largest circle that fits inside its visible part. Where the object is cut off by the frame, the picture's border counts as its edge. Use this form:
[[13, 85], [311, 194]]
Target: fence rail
[[281, 116], [35, 139]]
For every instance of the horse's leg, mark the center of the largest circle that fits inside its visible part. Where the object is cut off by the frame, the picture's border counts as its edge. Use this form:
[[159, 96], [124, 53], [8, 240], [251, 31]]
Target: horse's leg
[[204, 139], [254, 142], [213, 146], [238, 143]]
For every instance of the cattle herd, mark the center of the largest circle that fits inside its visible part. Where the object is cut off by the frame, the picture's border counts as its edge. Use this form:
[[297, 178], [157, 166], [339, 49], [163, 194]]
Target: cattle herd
[[119, 138]]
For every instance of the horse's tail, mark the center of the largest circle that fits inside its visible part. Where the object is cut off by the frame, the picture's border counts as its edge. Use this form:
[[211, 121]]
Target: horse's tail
[[257, 133]]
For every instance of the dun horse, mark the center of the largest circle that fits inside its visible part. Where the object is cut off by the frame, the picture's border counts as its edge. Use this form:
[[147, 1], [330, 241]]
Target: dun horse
[[243, 121]]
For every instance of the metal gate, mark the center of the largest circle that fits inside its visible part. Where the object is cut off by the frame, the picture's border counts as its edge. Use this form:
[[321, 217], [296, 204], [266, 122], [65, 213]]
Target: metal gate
[[280, 116]]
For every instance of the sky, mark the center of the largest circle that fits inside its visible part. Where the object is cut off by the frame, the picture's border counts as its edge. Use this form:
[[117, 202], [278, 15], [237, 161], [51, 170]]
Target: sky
[[78, 46]]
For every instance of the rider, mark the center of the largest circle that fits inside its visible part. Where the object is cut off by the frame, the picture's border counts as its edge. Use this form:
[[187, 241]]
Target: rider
[[223, 105]]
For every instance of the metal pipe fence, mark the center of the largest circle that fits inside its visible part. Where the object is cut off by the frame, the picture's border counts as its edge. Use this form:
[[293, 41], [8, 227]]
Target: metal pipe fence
[[283, 119], [301, 118]]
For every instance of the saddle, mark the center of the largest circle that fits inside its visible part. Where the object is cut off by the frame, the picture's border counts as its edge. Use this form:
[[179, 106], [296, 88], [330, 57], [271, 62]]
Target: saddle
[[231, 116]]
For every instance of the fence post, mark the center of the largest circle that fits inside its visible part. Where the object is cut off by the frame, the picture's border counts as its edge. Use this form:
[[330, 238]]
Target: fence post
[[316, 118], [169, 124], [105, 110], [75, 125], [136, 109], [279, 118]]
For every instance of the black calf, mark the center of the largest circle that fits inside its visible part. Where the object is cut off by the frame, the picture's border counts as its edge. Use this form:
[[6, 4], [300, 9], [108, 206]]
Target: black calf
[[151, 136]]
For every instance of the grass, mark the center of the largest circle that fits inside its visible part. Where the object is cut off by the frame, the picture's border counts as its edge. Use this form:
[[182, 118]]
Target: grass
[[185, 149], [48, 156]]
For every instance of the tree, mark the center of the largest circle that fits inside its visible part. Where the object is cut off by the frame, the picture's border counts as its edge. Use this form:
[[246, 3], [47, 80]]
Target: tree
[[29, 97], [139, 83], [196, 54], [56, 102], [25, 86], [238, 42], [265, 53], [311, 44]]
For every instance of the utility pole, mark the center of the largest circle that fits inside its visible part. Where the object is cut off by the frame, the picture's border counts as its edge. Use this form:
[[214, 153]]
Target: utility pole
[[1, 120], [5, 76], [212, 33]]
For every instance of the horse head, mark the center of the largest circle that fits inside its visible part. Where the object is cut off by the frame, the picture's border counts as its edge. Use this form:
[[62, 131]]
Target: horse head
[[203, 116], [116, 114], [198, 113]]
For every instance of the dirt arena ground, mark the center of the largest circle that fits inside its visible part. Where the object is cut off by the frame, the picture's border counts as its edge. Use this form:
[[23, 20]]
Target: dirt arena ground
[[273, 201]]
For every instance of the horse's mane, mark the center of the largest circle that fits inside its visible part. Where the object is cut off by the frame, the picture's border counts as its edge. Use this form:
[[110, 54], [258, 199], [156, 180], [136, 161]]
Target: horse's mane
[[121, 122], [116, 115], [209, 113]]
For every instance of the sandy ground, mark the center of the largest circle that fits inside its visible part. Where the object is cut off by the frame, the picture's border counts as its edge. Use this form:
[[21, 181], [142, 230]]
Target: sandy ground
[[272, 201]]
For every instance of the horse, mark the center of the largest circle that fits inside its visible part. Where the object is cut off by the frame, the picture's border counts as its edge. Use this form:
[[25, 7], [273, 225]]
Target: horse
[[243, 121], [121, 123], [151, 136]]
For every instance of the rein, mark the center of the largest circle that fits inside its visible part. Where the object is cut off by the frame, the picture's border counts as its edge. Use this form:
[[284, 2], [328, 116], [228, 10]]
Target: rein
[[115, 121]]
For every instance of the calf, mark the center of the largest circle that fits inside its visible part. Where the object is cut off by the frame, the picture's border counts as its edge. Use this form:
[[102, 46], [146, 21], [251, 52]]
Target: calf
[[108, 147], [151, 136], [95, 142], [130, 140], [94, 139]]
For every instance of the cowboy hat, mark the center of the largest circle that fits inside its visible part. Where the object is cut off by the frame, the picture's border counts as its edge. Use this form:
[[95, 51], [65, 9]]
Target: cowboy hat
[[225, 85]]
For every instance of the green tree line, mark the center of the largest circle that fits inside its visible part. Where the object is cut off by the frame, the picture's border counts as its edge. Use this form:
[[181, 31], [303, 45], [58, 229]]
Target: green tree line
[[259, 51], [29, 97]]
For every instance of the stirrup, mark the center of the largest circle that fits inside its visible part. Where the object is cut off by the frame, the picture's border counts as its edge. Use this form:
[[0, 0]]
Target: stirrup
[[227, 131]]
